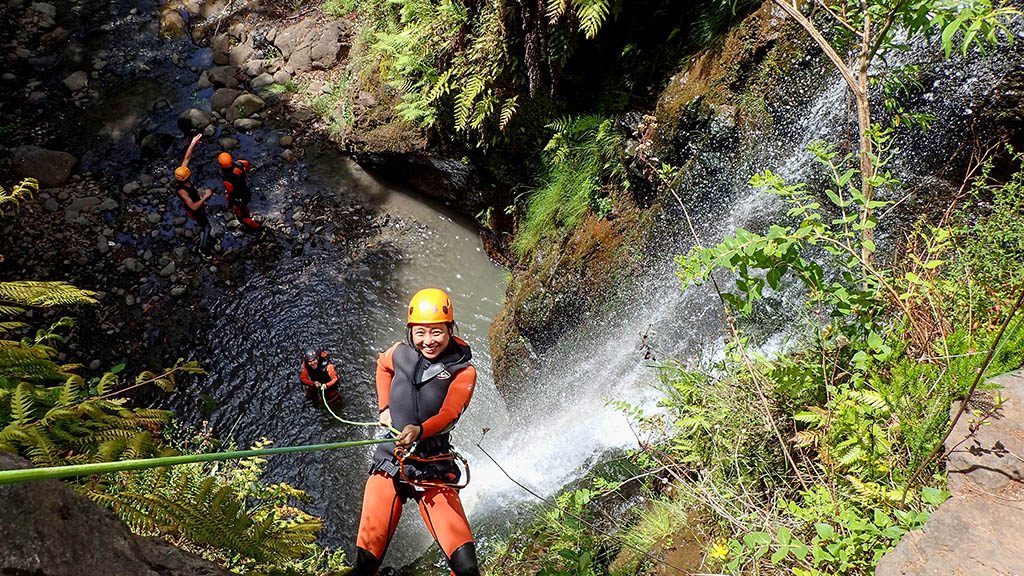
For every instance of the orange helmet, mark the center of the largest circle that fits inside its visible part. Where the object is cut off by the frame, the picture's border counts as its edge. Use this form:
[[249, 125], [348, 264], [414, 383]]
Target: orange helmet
[[225, 160], [181, 173], [430, 306]]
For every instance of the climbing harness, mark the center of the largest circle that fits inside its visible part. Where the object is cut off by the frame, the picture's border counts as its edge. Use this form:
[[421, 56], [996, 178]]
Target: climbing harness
[[402, 454], [457, 481]]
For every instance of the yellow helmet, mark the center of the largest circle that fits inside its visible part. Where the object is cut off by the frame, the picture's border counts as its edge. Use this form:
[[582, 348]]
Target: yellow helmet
[[182, 173], [430, 306]]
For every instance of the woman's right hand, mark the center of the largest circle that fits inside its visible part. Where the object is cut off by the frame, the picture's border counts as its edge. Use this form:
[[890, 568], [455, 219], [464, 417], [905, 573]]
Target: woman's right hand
[[385, 418]]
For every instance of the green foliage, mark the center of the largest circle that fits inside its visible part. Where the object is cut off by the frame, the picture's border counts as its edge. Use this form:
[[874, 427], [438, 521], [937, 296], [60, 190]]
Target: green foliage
[[333, 106], [583, 158], [338, 8], [226, 512], [16, 194], [988, 230]]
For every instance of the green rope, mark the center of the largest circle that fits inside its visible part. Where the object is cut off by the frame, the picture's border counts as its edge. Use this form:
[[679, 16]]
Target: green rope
[[32, 474], [323, 394]]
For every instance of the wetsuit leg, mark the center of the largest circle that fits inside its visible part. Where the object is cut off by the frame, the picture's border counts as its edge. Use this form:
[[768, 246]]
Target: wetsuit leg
[[382, 508], [204, 230], [442, 511], [244, 215], [242, 212]]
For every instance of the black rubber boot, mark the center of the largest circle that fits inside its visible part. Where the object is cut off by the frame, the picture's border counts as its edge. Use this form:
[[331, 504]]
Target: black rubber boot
[[366, 563], [463, 560]]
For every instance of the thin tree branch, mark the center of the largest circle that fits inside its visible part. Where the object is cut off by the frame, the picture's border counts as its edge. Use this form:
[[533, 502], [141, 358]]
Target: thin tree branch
[[830, 52]]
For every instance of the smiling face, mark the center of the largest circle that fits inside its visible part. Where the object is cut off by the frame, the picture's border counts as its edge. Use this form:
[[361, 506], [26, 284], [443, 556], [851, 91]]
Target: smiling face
[[431, 339]]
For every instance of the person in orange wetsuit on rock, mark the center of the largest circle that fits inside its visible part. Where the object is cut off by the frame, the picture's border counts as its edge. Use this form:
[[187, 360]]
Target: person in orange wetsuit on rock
[[319, 374], [236, 186], [423, 385]]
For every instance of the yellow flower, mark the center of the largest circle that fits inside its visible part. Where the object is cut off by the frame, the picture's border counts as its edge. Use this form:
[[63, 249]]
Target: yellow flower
[[719, 551]]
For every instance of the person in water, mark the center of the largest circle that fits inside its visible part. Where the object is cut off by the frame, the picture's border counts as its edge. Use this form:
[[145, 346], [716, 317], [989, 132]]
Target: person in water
[[236, 186], [318, 373], [424, 384], [193, 200]]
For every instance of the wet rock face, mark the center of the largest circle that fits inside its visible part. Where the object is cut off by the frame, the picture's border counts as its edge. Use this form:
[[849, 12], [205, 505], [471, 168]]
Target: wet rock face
[[50, 530]]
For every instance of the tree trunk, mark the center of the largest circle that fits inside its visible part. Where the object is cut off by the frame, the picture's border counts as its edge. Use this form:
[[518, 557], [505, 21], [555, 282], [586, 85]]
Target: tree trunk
[[867, 167]]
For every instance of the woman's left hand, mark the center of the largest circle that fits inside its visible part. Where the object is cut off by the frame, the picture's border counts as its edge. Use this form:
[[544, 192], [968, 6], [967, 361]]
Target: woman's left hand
[[408, 435]]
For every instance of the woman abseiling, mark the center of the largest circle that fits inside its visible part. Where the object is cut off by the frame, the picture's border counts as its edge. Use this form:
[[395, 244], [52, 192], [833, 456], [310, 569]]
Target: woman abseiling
[[423, 386]]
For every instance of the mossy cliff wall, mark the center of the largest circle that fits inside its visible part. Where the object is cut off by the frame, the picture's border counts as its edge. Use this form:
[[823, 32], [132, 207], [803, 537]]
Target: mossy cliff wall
[[749, 103]]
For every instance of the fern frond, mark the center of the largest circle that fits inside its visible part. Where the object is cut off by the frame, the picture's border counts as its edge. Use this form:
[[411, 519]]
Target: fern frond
[[44, 294], [592, 14], [508, 111], [26, 362], [554, 9], [19, 192], [7, 310]]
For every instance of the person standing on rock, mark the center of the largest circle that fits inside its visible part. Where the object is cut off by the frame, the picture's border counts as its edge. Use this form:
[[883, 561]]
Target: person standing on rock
[[424, 384], [236, 185], [193, 200]]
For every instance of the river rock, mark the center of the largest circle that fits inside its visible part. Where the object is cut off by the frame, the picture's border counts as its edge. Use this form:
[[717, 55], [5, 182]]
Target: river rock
[[286, 140], [223, 97], [282, 77], [288, 155], [169, 269], [102, 245], [133, 265], [79, 205], [204, 80], [241, 52], [108, 204], [228, 143], [171, 23], [51, 205], [193, 121], [50, 167], [264, 79], [77, 81], [155, 145], [245, 105], [224, 76], [220, 46], [131, 188], [154, 218], [45, 8], [178, 290], [246, 124]]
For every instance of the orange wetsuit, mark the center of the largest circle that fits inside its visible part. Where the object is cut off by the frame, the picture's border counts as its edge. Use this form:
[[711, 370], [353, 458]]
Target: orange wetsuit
[[313, 377], [236, 185], [432, 395]]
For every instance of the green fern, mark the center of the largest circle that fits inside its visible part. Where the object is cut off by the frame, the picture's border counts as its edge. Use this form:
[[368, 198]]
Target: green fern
[[44, 294], [17, 193]]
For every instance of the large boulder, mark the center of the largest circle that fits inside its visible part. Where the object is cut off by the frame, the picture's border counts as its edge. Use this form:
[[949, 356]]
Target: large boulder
[[224, 76], [193, 121], [221, 47], [304, 45], [244, 106], [223, 97], [50, 167], [50, 530]]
